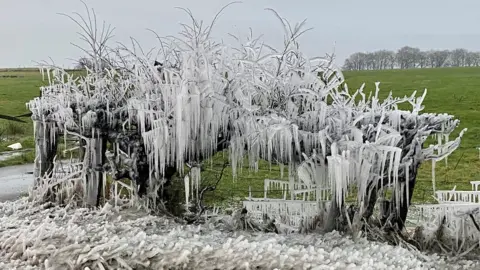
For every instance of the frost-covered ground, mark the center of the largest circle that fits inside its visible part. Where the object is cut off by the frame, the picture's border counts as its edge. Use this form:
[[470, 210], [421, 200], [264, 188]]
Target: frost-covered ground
[[39, 237]]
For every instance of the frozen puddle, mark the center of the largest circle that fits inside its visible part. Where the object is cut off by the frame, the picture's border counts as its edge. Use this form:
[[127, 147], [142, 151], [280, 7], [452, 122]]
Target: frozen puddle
[[8, 155], [15, 181]]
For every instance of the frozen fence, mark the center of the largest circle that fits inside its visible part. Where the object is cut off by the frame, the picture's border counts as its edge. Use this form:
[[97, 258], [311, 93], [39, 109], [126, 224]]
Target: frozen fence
[[475, 185], [460, 220], [67, 169], [294, 213], [458, 196], [304, 205], [272, 184], [296, 191], [458, 212]]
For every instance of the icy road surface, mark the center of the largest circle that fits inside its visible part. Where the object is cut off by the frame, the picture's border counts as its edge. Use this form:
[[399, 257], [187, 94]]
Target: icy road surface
[[15, 181], [41, 237]]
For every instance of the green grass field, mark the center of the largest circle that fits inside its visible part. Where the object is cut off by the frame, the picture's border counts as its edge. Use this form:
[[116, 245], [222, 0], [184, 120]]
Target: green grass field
[[17, 87], [450, 90]]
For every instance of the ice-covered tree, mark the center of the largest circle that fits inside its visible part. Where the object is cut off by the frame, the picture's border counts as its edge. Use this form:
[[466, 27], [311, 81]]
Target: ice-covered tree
[[145, 123], [302, 116]]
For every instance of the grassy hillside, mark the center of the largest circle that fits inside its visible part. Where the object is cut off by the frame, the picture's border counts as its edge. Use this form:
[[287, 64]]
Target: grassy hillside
[[17, 87], [451, 90]]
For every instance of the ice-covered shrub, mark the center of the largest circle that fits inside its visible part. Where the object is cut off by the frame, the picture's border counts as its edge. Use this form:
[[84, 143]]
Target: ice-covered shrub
[[265, 103]]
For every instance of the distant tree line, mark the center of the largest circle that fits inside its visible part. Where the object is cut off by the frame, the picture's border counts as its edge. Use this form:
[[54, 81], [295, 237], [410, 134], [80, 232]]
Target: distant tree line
[[409, 57]]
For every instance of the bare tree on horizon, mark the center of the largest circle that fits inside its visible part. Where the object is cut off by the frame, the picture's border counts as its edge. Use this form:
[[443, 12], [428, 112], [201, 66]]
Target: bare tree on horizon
[[410, 57]]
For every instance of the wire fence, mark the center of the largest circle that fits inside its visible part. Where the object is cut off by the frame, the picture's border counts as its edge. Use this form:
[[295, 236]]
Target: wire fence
[[231, 191], [423, 192], [234, 196]]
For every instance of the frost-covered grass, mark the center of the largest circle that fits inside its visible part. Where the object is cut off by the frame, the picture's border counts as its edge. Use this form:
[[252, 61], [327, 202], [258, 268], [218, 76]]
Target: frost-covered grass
[[451, 90], [33, 237]]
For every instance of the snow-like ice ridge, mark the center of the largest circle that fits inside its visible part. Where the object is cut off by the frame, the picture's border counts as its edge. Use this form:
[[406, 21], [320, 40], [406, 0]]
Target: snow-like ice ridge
[[40, 237]]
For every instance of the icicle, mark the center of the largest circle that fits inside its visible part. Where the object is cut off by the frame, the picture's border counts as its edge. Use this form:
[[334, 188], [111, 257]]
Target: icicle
[[433, 174], [49, 78], [407, 178], [196, 180], [186, 180], [446, 141], [104, 184], [116, 193]]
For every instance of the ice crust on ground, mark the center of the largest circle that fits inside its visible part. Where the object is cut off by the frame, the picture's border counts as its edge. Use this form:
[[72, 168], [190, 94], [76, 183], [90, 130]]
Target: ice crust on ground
[[40, 237]]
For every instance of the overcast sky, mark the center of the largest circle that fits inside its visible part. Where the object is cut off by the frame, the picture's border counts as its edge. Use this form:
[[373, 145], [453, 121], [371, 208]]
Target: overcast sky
[[31, 30]]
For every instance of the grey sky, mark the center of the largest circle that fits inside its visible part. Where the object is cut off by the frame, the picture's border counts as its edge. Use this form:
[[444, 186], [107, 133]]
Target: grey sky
[[31, 30]]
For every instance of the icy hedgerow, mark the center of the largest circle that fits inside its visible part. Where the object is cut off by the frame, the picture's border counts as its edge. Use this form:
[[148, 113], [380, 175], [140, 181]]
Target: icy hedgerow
[[146, 122]]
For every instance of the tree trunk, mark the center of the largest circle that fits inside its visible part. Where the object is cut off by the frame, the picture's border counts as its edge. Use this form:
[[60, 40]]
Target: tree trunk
[[94, 179], [401, 217], [82, 144], [101, 185], [45, 149], [371, 199], [334, 214], [398, 213]]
